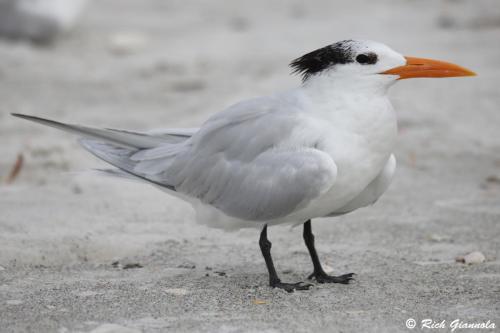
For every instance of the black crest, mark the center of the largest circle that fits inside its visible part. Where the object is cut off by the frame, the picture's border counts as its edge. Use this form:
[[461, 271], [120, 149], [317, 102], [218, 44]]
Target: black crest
[[320, 59]]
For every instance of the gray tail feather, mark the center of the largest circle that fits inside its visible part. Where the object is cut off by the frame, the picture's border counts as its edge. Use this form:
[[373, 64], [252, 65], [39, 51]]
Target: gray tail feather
[[117, 137], [113, 146], [120, 158], [116, 173]]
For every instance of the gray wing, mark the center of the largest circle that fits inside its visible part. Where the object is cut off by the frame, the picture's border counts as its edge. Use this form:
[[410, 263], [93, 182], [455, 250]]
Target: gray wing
[[273, 185], [253, 162]]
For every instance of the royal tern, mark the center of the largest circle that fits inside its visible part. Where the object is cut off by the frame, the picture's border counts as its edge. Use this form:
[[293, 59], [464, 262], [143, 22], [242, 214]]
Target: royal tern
[[322, 149]]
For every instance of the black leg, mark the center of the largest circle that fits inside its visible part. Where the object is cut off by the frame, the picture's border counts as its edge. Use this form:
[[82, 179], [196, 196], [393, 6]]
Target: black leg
[[319, 273], [274, 280]]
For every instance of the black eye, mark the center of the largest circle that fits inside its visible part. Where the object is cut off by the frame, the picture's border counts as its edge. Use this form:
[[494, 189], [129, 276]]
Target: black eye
[[367, 59]]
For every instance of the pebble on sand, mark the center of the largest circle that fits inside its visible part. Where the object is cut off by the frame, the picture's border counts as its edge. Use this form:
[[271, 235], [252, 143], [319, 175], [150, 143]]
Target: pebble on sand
[[127, 42], [475, 257], [176, 291], [113, 328]]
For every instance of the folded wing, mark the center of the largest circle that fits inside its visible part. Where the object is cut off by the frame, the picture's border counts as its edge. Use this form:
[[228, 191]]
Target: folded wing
[[254, 162]]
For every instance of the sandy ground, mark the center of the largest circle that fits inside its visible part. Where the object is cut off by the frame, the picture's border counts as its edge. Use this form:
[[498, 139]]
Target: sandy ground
[[66, 237]]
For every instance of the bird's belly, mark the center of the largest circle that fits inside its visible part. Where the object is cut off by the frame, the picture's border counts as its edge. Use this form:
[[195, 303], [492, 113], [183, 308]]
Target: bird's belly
[[351, 180], [359, 159]]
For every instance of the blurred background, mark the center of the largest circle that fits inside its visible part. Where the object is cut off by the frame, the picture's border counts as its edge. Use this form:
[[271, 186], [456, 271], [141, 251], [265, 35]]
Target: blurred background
[[145, 64]]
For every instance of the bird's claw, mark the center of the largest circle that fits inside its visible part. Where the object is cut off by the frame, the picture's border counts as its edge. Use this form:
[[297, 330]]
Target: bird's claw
[[291, 287], [322, 277]]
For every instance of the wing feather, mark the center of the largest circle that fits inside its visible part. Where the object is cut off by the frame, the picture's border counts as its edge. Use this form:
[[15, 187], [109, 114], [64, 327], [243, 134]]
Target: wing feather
[[256, 161], [253, 162]]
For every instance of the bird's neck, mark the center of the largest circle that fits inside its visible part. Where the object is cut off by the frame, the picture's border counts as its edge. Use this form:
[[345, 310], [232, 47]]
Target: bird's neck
[[328, 87], [352, 104]]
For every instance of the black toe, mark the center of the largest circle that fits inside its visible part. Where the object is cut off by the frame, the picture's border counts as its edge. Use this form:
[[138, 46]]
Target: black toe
[[325, 278], [290, 287]]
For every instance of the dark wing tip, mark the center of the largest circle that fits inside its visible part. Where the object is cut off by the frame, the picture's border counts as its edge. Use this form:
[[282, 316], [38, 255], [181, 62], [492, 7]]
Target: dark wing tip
[[40, 120], [25, 116]]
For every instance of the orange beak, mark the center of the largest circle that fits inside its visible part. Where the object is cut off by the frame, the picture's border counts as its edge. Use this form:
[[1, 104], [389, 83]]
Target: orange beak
[[420, 67]]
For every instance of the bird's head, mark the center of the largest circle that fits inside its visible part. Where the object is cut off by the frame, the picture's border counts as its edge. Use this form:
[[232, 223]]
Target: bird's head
[[367, 59]]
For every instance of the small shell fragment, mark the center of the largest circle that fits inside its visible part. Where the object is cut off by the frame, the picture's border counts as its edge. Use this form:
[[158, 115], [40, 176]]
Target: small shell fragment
[[176, 291], [127, 43], [259, 301], [16, 168], [475, 257], [328, 269], [114, 328], [439, 238]]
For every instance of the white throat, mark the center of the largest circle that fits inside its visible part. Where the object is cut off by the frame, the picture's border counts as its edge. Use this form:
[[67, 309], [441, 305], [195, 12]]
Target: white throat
[[333, 86], [355, 105]]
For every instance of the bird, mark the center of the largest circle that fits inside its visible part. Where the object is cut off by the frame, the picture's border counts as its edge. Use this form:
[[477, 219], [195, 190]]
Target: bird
[[324, 148], [38, 21]]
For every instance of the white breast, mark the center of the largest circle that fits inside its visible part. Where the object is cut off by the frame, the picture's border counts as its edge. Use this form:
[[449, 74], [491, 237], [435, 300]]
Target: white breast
[[360, 130]]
